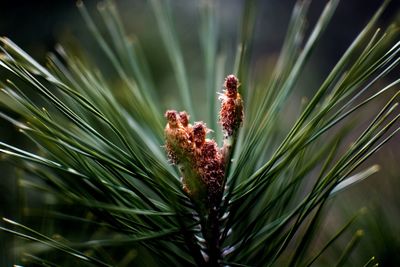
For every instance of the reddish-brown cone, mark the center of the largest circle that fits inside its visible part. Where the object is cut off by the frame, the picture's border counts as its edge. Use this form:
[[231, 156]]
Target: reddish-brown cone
[[199, 133], [199, 159], [184, 118], [231, 113], [177, 138], [201, 162], [231, 85], [211, 168]]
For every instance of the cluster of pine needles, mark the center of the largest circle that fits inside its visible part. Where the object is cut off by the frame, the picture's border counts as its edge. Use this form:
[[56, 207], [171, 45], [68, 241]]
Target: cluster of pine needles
[[97, 148]]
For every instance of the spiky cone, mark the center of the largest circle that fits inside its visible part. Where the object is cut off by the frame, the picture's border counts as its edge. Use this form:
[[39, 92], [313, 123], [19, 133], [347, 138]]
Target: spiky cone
[[231, 114]]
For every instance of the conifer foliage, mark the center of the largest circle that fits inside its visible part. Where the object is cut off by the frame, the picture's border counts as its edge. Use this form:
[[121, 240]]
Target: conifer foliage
[[138, 183]]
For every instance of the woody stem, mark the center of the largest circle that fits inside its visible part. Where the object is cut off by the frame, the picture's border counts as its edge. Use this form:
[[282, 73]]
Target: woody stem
[[211, 234]]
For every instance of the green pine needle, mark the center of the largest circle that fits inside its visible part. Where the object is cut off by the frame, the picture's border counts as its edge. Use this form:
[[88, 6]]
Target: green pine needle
[[97, 146]]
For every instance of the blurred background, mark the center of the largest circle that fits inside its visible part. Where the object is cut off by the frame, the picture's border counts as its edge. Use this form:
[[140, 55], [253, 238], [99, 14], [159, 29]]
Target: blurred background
[[37, 26]]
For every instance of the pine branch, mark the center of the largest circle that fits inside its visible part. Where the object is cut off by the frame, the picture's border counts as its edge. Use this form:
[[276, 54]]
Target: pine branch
[[254, 195]]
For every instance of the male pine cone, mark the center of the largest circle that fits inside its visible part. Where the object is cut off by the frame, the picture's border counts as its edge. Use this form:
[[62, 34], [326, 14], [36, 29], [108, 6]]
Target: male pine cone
[[200, 161]]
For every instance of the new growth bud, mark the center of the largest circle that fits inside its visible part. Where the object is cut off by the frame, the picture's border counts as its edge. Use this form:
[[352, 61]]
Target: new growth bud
[[200, 161], [184, 118], [178, 141], [199, 133], [211, 168], [172, 118], [231, 113], [231, 85], [198, 158]]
